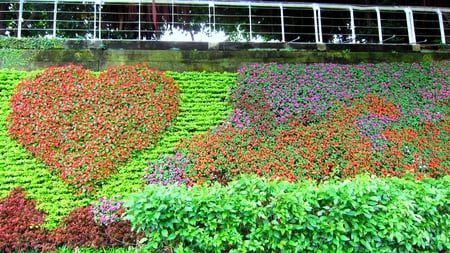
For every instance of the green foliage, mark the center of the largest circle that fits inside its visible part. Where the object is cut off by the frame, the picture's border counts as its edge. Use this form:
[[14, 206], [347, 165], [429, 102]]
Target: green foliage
[[31, 43], [203, 105], [254, 215]]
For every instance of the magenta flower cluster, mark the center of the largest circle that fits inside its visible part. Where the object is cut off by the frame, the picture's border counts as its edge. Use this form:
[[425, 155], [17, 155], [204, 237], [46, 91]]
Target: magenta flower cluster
[[307, 92], [105, 210], [167, 170], [370, 125]]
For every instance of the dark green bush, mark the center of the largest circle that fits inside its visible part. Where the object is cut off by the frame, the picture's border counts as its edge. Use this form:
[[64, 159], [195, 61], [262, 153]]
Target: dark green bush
[[253, 215], [31, 43]]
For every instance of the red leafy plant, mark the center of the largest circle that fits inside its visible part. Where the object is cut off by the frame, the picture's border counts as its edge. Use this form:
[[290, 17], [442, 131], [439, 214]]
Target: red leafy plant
[[82, 126], [80, 229], [20, 228], [19, 223]]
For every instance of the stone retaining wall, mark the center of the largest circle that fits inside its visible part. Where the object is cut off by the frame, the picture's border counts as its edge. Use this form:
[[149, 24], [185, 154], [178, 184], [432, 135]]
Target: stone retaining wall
[[197, 56]]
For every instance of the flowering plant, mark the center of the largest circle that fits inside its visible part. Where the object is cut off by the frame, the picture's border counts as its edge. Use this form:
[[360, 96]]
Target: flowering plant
[[82, 126], [319, 121], [106, 211], [168, 169]]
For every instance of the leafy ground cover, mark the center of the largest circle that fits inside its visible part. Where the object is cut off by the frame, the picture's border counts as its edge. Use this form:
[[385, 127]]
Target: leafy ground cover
[[202, 105], [293, 122]]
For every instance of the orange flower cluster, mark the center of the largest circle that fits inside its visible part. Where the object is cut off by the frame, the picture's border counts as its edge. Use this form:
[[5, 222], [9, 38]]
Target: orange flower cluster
[[331, 148], [422, 152]]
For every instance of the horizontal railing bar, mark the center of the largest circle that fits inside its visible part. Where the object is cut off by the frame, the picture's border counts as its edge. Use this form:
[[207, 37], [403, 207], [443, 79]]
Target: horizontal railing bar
[[247, 3], [308, 22]]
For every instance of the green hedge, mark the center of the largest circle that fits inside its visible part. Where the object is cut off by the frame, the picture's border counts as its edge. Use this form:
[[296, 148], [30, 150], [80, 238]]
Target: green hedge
[[31, 43], [253, 215]]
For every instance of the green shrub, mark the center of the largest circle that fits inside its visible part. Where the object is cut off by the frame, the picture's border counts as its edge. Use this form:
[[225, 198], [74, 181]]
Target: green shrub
[[31, 43], [253, 215]]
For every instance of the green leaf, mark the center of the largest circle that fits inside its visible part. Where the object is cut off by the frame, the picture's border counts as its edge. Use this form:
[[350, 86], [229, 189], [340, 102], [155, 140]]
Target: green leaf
[[143, 240], [164, 233], [344, 238], [172, 236]]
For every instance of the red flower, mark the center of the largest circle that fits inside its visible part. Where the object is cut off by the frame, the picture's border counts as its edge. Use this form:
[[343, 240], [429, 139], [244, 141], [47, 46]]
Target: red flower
[[83, 126]]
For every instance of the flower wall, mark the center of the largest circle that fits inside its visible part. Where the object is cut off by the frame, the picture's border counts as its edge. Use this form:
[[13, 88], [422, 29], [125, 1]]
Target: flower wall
[[323, 121], [73, 141]]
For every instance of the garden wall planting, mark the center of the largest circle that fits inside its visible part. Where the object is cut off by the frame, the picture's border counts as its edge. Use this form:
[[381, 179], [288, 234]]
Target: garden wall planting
[[202, 105], [271, 157]]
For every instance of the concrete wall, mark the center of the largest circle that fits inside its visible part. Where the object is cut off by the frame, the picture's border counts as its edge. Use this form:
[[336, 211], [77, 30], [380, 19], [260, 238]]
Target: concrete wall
[[195, 56]]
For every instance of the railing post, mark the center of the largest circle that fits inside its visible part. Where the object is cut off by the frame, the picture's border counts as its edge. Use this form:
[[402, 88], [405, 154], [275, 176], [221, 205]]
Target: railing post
[[410, 24], [380, 30], [212, 16], [19, 22], [441, 26], [99, 19], [352, 24], [250, 19], [283, 37], [95, 20], [139, 21], [55, 13], [317, 23], [173, 14]]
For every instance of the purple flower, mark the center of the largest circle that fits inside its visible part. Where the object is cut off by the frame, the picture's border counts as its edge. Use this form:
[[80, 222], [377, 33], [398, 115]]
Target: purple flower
[[168, 169], [105, 210]]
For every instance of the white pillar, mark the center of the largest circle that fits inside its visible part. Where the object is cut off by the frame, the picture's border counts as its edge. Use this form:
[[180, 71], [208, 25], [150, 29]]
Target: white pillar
[[317, 23], [99, 19], [139, 20], [380, 30], [95, 20], [250, 19], [55, 13], [19, 28], [212, 16], [283, 37], [441, 26], [352, 24], [173, 14], [410, 24]]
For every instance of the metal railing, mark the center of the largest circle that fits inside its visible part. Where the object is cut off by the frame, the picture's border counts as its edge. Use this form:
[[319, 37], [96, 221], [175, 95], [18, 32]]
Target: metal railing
[[236, 20]]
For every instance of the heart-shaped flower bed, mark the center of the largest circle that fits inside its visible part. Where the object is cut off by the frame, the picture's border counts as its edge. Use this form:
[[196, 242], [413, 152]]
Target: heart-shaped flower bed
[[83, 126]]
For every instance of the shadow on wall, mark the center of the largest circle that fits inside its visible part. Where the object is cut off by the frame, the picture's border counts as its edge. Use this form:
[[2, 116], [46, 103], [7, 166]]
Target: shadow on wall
[[217, 57]]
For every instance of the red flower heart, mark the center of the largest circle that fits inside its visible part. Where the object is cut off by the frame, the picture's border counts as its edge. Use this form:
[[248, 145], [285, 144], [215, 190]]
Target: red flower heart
[[83, 126]]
